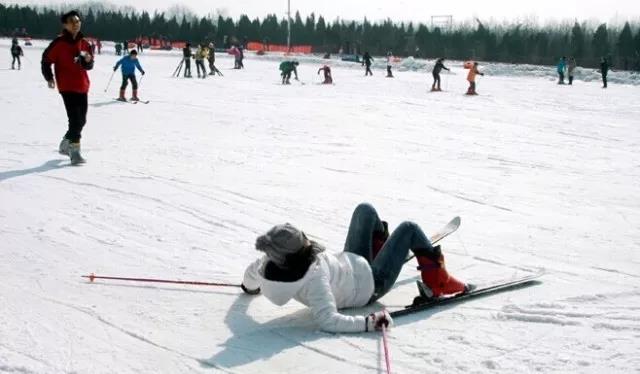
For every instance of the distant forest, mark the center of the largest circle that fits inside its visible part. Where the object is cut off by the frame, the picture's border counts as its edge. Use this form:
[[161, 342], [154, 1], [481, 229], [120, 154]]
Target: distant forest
[[512, 43]]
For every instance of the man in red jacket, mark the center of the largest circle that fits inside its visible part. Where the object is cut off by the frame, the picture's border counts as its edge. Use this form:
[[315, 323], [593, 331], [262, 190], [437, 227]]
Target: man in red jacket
[[72, 57]]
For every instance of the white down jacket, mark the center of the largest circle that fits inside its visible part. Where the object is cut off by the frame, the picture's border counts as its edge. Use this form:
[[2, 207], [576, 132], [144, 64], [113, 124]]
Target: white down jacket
[[332, 282]]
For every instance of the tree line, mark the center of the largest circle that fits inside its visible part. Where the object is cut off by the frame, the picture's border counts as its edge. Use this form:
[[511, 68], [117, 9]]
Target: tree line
[[513, 43]]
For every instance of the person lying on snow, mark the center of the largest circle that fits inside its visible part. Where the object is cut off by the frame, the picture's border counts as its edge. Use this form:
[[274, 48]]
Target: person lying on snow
[[295, 267]]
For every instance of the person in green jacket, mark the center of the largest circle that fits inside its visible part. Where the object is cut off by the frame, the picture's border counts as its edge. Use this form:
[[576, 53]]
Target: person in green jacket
[[286, 68]]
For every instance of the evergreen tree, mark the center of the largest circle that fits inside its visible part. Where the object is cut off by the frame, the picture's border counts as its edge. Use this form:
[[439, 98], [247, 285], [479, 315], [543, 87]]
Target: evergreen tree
[[577, 42], [601, 41], [506, 43], [625, 45]]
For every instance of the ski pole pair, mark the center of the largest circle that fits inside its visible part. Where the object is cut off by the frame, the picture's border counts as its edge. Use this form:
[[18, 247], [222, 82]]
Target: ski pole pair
[[178, 68], [114, 73], [93, 277]]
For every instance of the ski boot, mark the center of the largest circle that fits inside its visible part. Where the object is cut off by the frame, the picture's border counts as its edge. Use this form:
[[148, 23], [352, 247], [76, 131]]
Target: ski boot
[[63, 148], [74, 154], [134, 96], [121, 97], [435, 277]]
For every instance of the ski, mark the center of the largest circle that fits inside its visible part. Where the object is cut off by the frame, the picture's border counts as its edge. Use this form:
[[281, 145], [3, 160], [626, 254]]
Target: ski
[[133, 102], [445, 231], [421, 303]]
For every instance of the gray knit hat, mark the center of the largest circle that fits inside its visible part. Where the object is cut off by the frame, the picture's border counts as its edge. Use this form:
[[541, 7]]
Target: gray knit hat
[[283, 240]]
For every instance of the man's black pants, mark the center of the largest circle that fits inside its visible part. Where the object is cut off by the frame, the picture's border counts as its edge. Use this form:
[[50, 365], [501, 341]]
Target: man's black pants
[[76, 105]]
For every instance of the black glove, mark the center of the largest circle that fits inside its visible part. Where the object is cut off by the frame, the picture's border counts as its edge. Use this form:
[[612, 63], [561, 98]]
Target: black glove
[[142, 73], [115, 68], [375, 321], [248, 291]]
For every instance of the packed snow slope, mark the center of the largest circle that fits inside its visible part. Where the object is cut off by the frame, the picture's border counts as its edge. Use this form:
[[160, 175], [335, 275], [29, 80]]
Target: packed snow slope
[[543, 176]]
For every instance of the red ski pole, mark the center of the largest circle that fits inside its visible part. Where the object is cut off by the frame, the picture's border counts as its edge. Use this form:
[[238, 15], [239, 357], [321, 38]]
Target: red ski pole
[[386, 349], [92, 277]]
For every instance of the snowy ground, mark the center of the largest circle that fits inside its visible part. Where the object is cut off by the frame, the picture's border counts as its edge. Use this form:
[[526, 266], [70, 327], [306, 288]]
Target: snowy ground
[[544, 177]]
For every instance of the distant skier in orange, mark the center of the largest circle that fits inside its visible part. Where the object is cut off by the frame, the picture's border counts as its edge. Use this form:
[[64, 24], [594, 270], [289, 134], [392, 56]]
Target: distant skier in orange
[[471, 77]]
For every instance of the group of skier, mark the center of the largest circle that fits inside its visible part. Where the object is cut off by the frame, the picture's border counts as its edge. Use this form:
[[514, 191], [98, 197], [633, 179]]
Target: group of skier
[[204, 52], [72, 56], [569, 65]]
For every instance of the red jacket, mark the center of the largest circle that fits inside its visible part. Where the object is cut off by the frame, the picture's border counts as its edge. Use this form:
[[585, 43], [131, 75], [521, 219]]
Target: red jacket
[[70, 69]]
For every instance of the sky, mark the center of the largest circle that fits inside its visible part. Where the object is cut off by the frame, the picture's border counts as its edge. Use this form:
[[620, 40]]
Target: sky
[[615, 11]]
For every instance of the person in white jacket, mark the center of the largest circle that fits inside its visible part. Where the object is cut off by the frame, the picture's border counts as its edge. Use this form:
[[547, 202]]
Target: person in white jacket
[[295, 267], [389, 63]]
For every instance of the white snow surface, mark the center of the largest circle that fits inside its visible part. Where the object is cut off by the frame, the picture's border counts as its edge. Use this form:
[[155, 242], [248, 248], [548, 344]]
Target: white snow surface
[[544, 177]]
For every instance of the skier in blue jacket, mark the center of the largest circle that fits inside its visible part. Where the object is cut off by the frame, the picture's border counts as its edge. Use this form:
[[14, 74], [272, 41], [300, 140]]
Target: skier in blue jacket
[[562, 65], [128, 65]]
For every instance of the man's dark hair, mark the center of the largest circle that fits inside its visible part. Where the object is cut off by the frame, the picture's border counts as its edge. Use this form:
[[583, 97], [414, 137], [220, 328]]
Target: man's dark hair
[[68, 15]]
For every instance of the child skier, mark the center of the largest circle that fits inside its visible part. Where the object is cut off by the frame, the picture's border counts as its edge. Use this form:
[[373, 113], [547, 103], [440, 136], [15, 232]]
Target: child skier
[[71, 55], [128, 65], [286, 68], [366, 61], [16, 52], [471, 77], [327, 74], [436, 74], [295, 267]]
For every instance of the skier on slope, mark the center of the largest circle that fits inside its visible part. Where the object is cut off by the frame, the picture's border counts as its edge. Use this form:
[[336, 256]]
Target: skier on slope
[[241, 57], [571, 66], [436, 74], [286, 68], [235, 52], [16, 52], [295, 267], [561, 67], [604, 70], [71, 55], [186, 56], [471, 77], [328, 79], [212, 59], [128, 65], [366, 61], [202, 53], [389, 62]]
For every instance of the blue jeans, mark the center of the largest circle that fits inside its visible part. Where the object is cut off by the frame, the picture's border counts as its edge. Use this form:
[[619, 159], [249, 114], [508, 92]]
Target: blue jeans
[[387, 265]]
